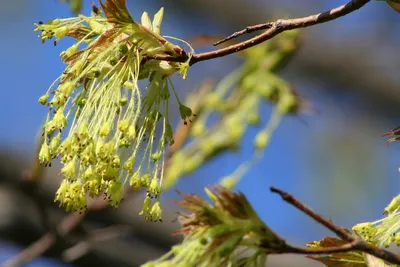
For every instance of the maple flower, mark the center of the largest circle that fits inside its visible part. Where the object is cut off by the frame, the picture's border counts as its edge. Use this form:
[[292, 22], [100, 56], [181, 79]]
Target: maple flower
[[100, 123]]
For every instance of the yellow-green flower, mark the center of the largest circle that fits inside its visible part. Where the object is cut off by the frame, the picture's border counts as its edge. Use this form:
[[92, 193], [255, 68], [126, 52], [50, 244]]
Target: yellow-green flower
[[100, 123]]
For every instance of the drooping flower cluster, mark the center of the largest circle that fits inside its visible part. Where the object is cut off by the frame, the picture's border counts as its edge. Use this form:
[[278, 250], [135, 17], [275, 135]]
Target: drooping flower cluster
[[112, 123], [222, 233], [237, 101]]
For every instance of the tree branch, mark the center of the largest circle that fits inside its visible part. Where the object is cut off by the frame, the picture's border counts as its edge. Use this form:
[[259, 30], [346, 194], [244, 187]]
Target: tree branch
[[328, 224], [356, 243], [273, 29]]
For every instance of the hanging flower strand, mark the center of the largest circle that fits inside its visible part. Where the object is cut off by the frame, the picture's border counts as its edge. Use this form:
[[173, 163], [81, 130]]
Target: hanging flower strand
[[111, 136]]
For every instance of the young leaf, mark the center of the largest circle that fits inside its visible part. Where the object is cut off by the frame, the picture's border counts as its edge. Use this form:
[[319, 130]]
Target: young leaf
[[158, 17], [146, 21], [117, 12], [342, 259], [374, 261]]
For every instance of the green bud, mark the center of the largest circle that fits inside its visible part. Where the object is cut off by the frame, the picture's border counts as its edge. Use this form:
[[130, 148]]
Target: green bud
[[44, 154], [123, 48], [105, 129], [135, 180], [115, 162], [128, 165], [393, 205], [43, 99], [229, 182], [154, 187], [123, 125], [185, 111], [146, 207], [261, 141], [287, 103], [66, 88], [156, 156], [61, 32], [113, 60], [145, 180], [123, 101], [55, 143], [69, 170], [95, 72], [156, 211]]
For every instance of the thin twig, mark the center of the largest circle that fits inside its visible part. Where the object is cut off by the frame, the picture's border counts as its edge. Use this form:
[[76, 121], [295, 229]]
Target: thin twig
[[355, 242], [99, 235], [49, 239], [328, 224], [275, 28], [247, 30]]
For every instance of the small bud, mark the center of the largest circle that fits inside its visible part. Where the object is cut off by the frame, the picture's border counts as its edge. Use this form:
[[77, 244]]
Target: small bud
[[154, 187], [105, 129], [135, 181], [287, 103], [115, 162], [146, 207], [66, 88], [123, 48], [393, 205], [70, 51], [145, 180], [61, 32], [123, 125], [69, 170], [186, 112], [44, 154], [128, 165], [131, 132], [156, 211], [114, 191], [261, 140], [156, 156], [59, 120], [123, 101], [77, 67], [55, 143], [229, 182], [43, 99], [95, 72]]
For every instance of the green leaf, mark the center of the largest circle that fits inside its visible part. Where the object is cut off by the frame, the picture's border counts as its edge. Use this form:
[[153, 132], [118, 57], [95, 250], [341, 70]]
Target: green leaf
[[116, 12]]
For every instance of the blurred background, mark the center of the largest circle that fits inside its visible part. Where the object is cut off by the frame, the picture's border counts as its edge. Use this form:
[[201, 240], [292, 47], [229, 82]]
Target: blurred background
[[334, 160]]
